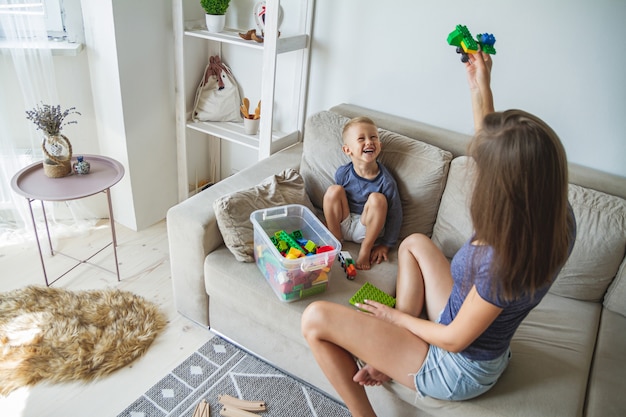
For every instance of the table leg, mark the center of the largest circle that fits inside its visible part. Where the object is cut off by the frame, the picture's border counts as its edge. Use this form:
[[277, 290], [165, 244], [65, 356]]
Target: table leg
[[45, 221], [32, 218], [113, 236]]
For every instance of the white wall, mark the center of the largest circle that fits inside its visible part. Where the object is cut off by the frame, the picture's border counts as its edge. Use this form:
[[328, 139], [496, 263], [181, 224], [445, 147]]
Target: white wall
[[560, 59], [130, 50]]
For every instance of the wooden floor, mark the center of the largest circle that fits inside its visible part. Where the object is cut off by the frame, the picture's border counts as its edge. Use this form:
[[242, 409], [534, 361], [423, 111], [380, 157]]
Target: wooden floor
[[145, 270]]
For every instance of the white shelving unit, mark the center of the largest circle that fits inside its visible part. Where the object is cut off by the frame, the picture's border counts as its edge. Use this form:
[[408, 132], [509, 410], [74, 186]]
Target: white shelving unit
[[194, 44]]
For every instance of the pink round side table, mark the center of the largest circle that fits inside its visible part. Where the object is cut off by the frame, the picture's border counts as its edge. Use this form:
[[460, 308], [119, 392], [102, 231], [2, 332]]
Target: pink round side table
[[32, 183]]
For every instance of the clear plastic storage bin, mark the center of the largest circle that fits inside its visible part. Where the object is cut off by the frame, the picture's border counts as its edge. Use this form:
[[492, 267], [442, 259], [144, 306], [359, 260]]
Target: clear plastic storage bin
[[293, 279]]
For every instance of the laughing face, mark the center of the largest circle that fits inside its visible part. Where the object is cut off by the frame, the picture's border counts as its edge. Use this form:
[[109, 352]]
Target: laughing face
[[361, 143]]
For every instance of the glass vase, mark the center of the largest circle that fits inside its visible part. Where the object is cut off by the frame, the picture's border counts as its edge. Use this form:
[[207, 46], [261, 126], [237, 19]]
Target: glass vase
[[57, 151]]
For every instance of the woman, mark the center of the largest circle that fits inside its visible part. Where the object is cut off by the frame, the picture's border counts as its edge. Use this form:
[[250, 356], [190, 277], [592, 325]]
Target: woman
[[524, 232]]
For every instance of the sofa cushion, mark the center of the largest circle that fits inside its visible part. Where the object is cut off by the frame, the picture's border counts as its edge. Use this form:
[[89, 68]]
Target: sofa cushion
[[454, 225], [599, 248], [419, 169], [232, 211], [600, 241], [242, 301]]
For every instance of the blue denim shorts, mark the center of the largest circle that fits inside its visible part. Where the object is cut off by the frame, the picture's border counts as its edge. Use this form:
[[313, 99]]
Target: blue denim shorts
[[453, 377]]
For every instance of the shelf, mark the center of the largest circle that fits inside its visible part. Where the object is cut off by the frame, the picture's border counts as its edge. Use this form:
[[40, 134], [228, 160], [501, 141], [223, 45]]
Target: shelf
[[234, 132], [58, 48], [194, 44], [231, 36]]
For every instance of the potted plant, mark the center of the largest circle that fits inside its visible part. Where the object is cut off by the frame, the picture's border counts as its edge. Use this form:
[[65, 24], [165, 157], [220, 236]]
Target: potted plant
[[56, 147], [215, 14]]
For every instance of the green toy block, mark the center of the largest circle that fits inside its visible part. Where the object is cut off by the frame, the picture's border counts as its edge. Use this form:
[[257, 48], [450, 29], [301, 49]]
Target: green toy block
[[310, 246], [462, 37], [282, 246], [291, 242], [371, 292]]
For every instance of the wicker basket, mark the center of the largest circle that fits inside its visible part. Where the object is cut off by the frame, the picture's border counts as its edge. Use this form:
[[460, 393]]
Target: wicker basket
[[57, 166], [54, 169]]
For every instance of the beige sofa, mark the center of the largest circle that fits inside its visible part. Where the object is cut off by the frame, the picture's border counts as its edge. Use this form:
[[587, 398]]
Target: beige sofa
[[569, 355]]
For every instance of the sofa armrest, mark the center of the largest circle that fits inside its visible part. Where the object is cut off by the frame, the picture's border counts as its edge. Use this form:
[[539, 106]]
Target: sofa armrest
[[193, 233]]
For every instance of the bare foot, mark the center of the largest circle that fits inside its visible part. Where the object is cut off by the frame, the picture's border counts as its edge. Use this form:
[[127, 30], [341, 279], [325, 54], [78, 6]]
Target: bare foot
[[368, 376], [363, 261]]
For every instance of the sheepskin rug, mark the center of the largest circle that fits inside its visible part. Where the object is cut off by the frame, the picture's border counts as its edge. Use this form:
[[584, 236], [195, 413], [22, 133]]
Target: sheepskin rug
[[60, 335]]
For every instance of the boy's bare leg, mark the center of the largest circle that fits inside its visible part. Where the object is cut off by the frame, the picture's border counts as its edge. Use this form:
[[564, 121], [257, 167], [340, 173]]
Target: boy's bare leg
[[373, 218], [336, 209]]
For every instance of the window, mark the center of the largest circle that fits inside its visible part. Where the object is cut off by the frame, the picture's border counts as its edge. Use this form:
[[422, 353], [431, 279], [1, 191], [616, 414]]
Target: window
[[60, 19], [50, 9], [55, 19]]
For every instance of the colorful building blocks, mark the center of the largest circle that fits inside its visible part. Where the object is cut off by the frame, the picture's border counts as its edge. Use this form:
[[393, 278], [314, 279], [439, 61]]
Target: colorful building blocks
[[465, 44], [347, 263], [294, 245], [304, 276], [281, 235]]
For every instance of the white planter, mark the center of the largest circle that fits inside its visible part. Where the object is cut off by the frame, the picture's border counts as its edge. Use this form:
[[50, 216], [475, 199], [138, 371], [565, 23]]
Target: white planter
[[215, 23]]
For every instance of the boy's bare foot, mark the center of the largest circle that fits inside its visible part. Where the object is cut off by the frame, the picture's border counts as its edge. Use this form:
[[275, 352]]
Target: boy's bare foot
[[368, 376], [363, 261]]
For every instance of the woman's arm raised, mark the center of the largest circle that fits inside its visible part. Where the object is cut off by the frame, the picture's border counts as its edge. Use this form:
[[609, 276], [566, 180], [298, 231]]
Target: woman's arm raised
[[479, 78]]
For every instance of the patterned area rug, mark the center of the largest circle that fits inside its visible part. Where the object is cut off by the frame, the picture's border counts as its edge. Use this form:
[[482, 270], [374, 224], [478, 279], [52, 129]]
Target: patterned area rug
[[219, 367]]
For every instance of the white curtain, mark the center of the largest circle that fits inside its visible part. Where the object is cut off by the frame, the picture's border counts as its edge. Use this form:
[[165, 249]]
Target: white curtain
[[27, 58]]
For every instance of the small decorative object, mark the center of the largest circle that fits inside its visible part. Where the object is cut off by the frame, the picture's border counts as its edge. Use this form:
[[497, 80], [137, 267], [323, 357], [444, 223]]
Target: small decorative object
[[217, 97], [81, 167], [215, 14], [258, 34], [250, 121], [259, 16], [56, 147], [252, 35]]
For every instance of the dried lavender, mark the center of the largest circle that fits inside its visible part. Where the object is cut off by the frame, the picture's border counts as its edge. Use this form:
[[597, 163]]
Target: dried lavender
[[50, 119]]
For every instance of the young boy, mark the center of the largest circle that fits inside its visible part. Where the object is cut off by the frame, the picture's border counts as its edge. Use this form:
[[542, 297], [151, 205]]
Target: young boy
[[364, 203]]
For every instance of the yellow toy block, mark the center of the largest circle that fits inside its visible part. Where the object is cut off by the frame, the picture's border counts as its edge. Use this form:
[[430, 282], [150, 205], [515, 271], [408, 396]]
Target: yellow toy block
[[294, 253]]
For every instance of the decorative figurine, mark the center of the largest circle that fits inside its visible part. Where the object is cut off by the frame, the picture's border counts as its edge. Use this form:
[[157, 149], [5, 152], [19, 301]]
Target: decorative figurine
[[81, 167]]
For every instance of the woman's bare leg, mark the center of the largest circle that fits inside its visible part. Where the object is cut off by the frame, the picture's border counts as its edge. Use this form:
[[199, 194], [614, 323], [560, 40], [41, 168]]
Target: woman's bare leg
[[424, 281], [424, 278], [335, 333]]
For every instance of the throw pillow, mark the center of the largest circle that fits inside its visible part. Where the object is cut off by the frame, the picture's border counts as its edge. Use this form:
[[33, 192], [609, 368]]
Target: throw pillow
[[599, 248], [233, 211], [454, 224]]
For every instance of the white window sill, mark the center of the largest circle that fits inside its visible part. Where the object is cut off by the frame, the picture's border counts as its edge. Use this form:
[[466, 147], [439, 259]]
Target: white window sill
[[59, 48]]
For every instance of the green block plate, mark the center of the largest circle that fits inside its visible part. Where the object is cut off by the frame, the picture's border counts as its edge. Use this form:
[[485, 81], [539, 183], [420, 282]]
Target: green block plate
[[371, 292]]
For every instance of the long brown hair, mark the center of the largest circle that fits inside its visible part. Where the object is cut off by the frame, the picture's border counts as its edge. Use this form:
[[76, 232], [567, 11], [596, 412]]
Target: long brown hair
[[519, 205]]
